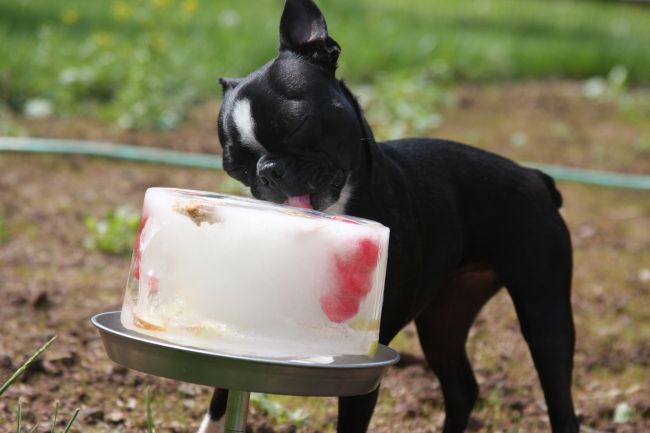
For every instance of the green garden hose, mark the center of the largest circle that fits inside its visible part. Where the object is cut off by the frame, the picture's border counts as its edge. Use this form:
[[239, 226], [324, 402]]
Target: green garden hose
[[109, 150], [594, 177], [201, 160]]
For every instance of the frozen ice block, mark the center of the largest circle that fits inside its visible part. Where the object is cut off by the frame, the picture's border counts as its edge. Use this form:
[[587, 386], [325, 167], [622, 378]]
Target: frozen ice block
[[248, 277]]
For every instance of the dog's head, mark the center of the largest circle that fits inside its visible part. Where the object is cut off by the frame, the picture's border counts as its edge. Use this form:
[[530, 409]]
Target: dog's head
[[290, 130]]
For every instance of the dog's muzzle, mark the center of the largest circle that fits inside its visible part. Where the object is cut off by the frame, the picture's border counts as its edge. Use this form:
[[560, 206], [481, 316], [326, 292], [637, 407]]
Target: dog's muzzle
[[298, 183]]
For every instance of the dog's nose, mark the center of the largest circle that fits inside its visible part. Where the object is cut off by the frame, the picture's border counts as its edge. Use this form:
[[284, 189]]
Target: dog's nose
[[270, 170]]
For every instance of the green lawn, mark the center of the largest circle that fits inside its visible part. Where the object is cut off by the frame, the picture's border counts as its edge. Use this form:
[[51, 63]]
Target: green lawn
[[143, 62]]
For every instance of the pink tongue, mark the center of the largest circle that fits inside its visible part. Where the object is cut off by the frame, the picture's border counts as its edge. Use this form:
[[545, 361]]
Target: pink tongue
[[301, 201]]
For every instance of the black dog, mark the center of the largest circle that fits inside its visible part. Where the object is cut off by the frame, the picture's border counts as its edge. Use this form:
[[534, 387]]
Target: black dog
[[464, 222]]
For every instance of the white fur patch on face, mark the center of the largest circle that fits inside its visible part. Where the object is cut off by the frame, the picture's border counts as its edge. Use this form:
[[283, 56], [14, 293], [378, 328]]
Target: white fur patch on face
[[243, 118], [342, 202], [209, 426]]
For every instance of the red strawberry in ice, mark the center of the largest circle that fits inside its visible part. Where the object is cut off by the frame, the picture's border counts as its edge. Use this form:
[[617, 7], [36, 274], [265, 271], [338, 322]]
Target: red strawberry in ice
[[154, 284], [352, 278], [368, 253], [137, 253], [338, 307], [354, 274], [136, 265]]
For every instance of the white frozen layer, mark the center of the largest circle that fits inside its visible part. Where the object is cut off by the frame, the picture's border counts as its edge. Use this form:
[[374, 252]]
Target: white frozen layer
[[248, 277]]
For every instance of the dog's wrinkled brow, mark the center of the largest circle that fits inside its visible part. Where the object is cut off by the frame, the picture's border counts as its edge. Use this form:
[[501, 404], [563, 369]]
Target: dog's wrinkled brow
[[299, 125]]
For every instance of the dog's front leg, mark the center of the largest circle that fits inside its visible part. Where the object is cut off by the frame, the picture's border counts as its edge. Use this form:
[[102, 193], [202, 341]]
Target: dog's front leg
[[213, 422], [355, 412]]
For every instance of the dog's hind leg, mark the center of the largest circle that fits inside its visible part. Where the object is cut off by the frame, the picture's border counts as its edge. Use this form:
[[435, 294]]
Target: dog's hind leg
[[443, 328], [538, 278], [213, 422]]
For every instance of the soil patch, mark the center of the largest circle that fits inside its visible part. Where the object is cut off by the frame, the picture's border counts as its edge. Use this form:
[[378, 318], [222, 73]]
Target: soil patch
[[50, 285]]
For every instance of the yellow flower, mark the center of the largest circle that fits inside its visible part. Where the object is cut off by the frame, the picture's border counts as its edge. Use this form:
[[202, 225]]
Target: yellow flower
[[69, 16], [190, 6], [158, 43], [103, 39], [121, 9], [161, 4]]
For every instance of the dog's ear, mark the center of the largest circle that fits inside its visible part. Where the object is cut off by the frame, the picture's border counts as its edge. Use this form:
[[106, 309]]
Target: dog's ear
[[227, 84], [303, 31]]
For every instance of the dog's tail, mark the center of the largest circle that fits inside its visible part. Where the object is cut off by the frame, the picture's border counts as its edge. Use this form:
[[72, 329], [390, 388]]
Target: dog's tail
[[552, 189]]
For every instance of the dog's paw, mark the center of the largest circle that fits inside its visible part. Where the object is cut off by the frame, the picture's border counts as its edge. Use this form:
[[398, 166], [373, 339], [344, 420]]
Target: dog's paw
[[210, 426]]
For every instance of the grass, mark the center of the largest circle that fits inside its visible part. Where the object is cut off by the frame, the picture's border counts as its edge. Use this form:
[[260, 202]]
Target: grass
[[142, 63], [148, 409], [5, 386], [4, 231], [12, 379]]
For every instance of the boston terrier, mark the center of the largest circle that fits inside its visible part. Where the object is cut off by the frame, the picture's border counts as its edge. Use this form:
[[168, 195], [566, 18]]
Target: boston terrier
[[463, 222]]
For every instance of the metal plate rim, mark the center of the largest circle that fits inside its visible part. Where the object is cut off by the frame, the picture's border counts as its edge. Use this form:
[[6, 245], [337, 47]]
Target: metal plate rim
[[387, 355]]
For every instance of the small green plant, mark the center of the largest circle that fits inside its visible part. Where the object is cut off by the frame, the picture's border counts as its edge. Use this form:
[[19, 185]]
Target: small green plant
[[623, 413], [4, 231], [113, 234], [612, 87], [278, 412], [615, 88], [5, 386]]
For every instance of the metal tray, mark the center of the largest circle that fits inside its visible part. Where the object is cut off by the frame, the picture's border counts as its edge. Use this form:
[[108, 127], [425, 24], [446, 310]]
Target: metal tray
[[345, 376]]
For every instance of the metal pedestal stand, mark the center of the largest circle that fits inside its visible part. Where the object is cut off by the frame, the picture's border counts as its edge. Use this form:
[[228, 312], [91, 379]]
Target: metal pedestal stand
[[241, 375], [237, 411]]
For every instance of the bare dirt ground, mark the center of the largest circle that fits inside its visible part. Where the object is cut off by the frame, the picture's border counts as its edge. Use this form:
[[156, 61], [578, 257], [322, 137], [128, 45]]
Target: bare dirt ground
[[50, 285]]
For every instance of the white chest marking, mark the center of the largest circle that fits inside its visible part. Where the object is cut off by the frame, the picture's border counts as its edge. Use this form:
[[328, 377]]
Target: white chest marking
[[243, 119], [342, 202]]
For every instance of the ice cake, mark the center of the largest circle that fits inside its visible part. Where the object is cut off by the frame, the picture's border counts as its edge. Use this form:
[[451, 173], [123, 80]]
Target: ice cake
[[249, 277]]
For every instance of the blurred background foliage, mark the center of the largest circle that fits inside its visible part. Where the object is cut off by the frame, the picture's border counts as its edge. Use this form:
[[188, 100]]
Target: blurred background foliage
[[142, 63]]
